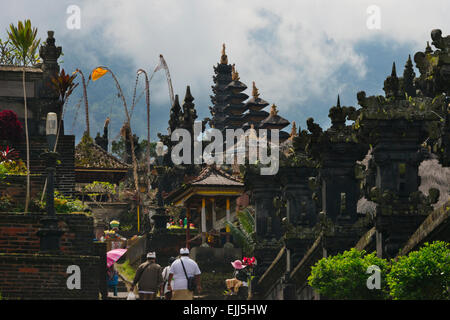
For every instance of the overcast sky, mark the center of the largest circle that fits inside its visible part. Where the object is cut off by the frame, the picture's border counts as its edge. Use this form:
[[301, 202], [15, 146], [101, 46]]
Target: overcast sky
[[301, 54]]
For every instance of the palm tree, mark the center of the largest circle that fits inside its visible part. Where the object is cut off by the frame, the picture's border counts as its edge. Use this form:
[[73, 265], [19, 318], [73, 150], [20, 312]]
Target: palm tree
[[23, 37], [244, 233]]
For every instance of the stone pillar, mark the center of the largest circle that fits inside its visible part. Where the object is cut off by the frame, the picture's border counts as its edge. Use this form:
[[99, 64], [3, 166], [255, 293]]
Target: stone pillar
[[264, 190], [188, 218], [268, 225], [203, 222], [394, 181], [302, 216], [301, 208], [340, 189], [228, 219], [214, 216], [289, 288], [49, 53]]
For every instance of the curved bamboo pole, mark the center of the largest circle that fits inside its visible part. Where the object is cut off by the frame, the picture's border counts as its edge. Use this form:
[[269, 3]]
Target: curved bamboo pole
[[86, 105], [130, 133], [147, 102]]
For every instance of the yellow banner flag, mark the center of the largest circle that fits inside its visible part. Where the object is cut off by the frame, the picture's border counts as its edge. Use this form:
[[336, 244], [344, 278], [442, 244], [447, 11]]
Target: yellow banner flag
[[98, 73]]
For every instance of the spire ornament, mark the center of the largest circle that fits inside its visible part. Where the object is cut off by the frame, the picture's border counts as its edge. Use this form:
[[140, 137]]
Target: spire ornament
[[224, 57], [293, 130], [392, 85], [273, 110], [255, 92], [234, 73], [428, 48]]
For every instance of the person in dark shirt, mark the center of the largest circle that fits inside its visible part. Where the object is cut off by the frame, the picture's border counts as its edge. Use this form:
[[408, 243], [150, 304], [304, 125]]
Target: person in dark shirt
[[148, 278]]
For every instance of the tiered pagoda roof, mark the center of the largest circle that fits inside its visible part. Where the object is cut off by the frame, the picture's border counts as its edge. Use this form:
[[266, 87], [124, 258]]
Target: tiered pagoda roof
[[221, 79], [255, 113], [235, 106], [231, 112], [274, 121]]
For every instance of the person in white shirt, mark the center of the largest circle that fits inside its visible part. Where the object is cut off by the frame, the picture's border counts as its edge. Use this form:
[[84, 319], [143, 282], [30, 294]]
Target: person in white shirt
[[180, 283], [165, 275]]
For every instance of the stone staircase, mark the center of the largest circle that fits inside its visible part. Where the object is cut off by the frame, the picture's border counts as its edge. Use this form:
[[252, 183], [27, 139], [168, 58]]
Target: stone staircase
[[122, 290]]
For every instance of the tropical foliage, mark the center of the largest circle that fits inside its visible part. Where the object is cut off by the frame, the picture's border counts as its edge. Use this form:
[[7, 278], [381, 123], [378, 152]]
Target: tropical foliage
[[244, 232], [9, 55], [64, 84], [344, 276], [423, 274], [8, 154], [24, 41], [10, 163], [23, 37]]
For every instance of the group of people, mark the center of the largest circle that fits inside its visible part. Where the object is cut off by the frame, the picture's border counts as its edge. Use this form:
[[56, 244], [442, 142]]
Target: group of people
[[176, 281]]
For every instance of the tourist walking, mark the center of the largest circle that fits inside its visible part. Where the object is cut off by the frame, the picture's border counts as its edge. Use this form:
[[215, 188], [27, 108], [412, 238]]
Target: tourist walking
[[165, 275], [148, 278], [112, 278], [238, 284], [186, 276]]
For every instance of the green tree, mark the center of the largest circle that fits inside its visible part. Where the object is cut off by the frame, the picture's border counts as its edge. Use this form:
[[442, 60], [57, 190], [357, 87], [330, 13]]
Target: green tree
[[23, 37], [244, 233], [118, 148], [423, 274], [344, 276]]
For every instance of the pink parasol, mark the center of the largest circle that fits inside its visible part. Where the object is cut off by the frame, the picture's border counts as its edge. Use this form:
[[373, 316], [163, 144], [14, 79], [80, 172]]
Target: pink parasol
[[114, 255]]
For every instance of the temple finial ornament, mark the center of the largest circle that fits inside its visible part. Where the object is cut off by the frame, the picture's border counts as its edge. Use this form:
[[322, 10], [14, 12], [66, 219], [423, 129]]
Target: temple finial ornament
[[273, 110], [391, 84], [394, 70], [293, 130], [234, 73], [224, 58], [338, 104], [428, 48], [255, 92]]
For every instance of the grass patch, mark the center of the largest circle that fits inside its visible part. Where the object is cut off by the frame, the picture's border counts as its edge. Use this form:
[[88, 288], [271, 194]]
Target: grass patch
[[126, 270]]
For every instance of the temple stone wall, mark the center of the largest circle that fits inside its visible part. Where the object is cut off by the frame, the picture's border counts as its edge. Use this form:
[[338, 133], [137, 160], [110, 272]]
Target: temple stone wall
[[30, 276], [18, 233], [13, 186], [65, 171], [26, 273]]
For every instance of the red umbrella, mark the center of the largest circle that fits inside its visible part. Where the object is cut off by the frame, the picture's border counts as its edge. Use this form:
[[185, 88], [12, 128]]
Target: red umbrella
[[114, 255]]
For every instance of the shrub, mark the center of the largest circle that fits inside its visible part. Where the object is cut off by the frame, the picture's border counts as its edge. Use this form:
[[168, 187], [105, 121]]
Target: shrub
[[344, 276], [10, 126], [6, 203], [3, 171], [100, 188], [423, 274], [65, 204], [8, 154]]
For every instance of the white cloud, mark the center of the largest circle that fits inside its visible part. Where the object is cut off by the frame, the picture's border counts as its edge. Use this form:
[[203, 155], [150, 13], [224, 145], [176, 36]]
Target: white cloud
[[292, 49]]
